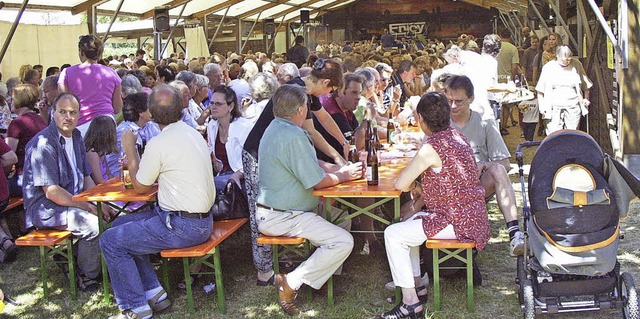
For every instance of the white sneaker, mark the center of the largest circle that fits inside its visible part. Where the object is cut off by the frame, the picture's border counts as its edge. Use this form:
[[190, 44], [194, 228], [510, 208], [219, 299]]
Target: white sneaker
[[517, 244]]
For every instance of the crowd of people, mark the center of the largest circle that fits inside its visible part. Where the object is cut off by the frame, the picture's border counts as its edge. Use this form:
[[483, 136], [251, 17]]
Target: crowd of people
[[279, 126]]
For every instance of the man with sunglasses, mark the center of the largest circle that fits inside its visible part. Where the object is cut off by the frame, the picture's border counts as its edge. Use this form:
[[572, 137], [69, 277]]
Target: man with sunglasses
[[490, 151]]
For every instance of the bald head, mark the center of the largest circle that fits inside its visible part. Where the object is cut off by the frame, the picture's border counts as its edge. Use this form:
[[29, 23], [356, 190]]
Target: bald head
[[165, 104]]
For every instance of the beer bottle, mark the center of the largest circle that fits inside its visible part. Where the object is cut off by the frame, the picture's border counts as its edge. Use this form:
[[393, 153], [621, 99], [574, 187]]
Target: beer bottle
[[368, 132], [125, 177], [390, 128], [354, 156], [375, 139], [372, 165]]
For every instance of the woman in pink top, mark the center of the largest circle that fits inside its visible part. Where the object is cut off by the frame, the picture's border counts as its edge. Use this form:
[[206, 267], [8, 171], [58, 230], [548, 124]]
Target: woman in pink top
[[97, 86]]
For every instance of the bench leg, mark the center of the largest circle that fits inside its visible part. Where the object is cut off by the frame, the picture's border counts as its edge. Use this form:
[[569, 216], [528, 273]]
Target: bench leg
[[43, 272], [187, 280], [436, 280], [469, 262], [72, 270], [165, 277], [218, 276], [105, 273], [330, 291]]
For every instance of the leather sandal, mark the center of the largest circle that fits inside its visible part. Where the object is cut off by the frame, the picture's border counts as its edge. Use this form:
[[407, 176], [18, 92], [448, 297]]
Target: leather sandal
[[396, 312], [10, 254], [423, 298], [269, 282], [158, 306]]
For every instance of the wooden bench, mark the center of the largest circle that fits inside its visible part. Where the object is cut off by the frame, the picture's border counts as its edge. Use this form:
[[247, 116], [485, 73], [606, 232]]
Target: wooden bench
[[452, 249], [198, 255], [13, 203], [282, 245], [51, 242]]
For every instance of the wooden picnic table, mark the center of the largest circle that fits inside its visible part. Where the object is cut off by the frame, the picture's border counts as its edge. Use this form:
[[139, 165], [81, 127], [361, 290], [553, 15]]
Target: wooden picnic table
[[113, 193]]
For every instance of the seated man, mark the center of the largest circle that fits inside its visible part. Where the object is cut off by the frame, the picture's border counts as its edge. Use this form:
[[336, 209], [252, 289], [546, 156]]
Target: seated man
[[340, 104], [178, 158], [289, 171], [55, 169], [492, 155]]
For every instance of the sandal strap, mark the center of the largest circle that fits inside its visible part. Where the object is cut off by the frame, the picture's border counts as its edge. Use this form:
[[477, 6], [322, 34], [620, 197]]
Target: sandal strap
[[411, 308]]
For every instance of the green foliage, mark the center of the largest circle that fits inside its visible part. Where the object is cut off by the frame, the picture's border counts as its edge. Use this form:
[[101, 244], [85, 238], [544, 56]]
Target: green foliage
[[118, 49]]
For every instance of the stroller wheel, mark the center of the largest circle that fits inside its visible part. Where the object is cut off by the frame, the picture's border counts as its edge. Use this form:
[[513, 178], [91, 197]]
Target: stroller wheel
[[629, 297], [529, 300]]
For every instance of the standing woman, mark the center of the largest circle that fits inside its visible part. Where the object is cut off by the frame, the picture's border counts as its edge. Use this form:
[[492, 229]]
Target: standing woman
[[550, 53], [453, 197], [563, 91], [96, 86]]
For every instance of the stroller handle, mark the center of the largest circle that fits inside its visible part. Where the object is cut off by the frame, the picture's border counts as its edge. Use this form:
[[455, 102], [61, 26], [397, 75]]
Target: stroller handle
[[519, 155], [527, 144]]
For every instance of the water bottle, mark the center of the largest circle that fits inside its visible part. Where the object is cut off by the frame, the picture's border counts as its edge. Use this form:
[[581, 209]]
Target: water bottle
[[209, 288]]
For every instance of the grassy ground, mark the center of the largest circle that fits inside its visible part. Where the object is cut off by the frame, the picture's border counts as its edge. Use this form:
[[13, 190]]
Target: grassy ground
[[359, 293]]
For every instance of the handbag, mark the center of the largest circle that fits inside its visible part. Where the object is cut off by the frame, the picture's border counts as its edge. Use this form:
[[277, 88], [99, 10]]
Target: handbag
[[231, 203]]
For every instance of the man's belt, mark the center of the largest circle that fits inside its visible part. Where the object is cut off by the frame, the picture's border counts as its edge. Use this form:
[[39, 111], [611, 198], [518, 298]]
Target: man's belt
[[191, 215], [270, 208]]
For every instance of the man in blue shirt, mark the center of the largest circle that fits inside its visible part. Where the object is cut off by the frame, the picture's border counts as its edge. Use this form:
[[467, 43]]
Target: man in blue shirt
[[55, 169], [289, 172]]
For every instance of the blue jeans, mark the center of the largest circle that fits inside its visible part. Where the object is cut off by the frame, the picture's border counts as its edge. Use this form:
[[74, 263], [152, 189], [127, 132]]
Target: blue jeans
[[127, 244]]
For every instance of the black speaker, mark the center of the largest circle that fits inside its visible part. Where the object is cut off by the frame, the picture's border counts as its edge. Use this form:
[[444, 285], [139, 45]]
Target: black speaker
[[269, 26], [161, 19], [304, 16]]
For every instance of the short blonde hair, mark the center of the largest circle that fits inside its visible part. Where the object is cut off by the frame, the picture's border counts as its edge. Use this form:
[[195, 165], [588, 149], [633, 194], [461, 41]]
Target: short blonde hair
[[25, 95]]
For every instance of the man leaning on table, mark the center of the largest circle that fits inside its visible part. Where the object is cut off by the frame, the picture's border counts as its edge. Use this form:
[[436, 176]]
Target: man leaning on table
[[178, 158], [55, 169], [289, 172]]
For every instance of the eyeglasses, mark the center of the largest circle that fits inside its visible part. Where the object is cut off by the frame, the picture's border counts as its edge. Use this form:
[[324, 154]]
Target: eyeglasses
[[457, 102], [319, 64], [218, 103]]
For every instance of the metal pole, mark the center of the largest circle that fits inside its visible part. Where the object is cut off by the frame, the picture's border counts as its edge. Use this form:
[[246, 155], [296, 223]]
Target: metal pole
[[215, 34], [250, 31], [276, 33], [580, 36], [173, 29], [157, 45], [115, 16], [542, 20], [14, 26]]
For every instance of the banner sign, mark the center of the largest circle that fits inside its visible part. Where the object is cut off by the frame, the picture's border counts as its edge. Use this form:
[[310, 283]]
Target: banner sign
[[406, 29]]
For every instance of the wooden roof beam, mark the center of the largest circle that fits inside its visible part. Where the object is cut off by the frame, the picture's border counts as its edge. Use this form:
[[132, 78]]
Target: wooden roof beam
[[36, 7], [172, 4], [320, 9], [201, 14], [262, 8], [295, 8], [84, 6]]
